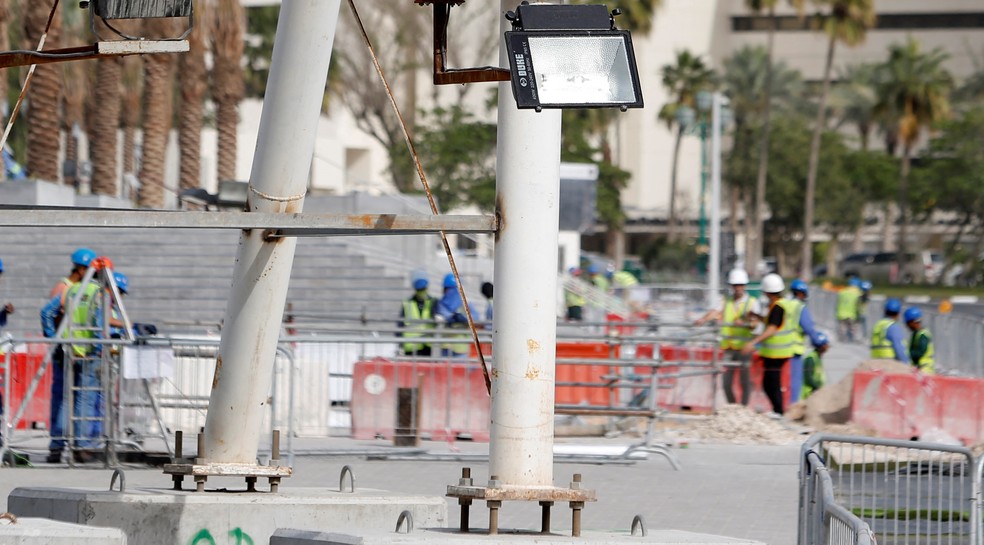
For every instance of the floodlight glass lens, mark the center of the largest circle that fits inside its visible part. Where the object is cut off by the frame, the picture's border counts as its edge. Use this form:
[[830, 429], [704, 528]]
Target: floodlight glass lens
[[582, 70]]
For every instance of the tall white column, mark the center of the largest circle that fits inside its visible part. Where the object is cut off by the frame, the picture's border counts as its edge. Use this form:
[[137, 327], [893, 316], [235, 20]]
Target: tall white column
[[278, 181], [525, 321], [714, 264]]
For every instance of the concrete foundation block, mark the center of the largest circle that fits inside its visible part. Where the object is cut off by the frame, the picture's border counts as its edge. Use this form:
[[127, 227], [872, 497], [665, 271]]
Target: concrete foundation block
[[166, 517], [37, 531], [433, 536]]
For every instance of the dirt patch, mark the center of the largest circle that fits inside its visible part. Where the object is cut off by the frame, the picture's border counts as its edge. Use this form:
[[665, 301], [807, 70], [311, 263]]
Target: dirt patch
[[831, 404]]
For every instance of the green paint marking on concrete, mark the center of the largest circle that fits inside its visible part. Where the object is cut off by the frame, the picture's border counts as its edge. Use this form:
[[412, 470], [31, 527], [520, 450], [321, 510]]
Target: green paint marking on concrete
[[242, 538], [203, 537]]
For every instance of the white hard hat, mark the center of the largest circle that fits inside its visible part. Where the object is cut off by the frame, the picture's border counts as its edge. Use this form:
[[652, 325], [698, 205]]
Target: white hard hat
[[737, 277], [772, 283]]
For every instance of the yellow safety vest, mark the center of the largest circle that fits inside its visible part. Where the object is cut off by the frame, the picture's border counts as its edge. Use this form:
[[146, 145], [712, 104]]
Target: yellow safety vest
[[925, 363], [415, 329], [795, 308], [83, 317], [881, 347], [813, 376], [847, 303], [734, 337], [781, 345]]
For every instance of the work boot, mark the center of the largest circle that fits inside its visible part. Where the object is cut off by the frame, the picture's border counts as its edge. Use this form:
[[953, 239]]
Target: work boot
[[54, 456]]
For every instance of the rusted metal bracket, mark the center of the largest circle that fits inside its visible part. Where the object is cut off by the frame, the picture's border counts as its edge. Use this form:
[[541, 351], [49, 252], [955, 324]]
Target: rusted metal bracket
[[201, 469], [95, 51], [442, 74], [496, 493]]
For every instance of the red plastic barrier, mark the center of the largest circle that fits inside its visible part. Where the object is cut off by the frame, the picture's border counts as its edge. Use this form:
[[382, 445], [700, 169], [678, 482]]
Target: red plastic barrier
[[444, 414], [570, 372], [907, 405], [23, 367]]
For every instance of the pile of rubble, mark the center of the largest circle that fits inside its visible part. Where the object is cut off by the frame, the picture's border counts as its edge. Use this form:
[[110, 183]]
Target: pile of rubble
[[737, 424]]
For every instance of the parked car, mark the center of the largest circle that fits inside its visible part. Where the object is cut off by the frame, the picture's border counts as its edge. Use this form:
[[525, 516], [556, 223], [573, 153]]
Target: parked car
[[923, 267], [852, 264]]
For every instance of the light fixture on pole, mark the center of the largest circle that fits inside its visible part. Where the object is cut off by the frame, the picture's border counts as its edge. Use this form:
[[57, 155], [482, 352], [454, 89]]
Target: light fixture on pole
[[572, 56]]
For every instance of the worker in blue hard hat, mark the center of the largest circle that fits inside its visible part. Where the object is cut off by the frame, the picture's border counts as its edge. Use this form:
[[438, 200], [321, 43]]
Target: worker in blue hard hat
[[451, 312], [921, 344], [574, 300], [805, 328], [847, 310], [866, 288], [886, 337], [814, 376], [417, 319]]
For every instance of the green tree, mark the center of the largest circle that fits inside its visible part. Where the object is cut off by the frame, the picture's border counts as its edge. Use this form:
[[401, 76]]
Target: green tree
[[44, 95], [854, 99], [577, 147], [637, 15], [682, 79], [845, 21], [914, 90]]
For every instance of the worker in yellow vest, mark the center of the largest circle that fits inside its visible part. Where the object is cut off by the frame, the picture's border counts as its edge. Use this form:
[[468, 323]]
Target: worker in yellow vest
[[778, 340], [921, 344], [736, 318], [886, 336], [416, 319], [848, 300]]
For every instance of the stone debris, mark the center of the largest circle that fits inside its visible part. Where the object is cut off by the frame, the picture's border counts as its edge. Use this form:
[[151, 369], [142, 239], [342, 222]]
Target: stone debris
[[737, 424]]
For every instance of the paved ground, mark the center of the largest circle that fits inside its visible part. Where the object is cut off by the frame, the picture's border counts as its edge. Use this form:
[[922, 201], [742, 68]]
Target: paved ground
[[747, 491]]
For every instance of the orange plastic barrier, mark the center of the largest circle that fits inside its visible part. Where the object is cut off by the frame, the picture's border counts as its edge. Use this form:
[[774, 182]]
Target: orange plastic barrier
[[23, 367], [453, 399], [907, 405]]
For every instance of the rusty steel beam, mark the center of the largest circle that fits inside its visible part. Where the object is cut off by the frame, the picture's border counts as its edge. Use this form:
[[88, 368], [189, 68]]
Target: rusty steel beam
[[278, 225], [95, 51]]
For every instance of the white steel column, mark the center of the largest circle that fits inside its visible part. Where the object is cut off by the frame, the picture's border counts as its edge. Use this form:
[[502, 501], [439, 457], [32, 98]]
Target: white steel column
[[714, 264], [278, 181], [525, 321]]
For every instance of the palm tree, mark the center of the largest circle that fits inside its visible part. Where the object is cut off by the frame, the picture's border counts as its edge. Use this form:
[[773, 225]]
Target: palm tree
[[132, 110], [194, 85], [44, 96], [228, 83], [855, 97], [847, 21], [158, 108], [5, 17], [104, 123], [916, 89], [682, 80], [76, 90]]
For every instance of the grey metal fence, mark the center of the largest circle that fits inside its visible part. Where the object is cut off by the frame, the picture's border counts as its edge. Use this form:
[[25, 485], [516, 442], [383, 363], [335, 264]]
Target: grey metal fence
[[904, 492]]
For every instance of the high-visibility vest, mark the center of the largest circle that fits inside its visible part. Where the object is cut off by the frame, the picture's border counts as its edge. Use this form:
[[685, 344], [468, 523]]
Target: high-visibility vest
[[734, 337], [881, 347], [813, 375], [415, 329], [795, 308], [925, 363], [83, 315], [847, 303], [624, 279], [573, 299], [780, 346]]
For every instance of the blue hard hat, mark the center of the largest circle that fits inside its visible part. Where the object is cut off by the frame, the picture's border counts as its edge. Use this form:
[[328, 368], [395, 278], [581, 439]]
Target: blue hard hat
[[1, 265], [122, 282], [893, 306], [854, 281], [449, 281], [420, 283], [912, 314], [866, 286], [592, 269], [83, 256], [821, 340], [800, 286]]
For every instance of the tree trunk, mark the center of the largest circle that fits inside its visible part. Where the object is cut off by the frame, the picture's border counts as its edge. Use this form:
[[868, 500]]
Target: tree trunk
[[903, 245], [672, 225], [43, 97], [806, 264], [194, 85], [5, 17], [833, 254], [756, 245], [132, 110], [227, 79], [104, 124], [158, 108]]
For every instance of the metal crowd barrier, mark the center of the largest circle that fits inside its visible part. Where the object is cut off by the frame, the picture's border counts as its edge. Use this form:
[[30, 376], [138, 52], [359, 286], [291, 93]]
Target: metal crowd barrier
[[902, 492]]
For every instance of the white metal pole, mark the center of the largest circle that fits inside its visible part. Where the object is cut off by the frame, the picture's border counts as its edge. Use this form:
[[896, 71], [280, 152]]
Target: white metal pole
[[278, 181], [525, 321], [714, 263]]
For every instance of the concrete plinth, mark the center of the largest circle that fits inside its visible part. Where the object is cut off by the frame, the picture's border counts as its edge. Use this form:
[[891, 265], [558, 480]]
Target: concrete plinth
[[35, 531], [166, 517], [451, 537]]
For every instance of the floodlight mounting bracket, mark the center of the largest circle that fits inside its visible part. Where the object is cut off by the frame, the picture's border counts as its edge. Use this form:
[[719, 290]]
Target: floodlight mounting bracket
[[442, 74]]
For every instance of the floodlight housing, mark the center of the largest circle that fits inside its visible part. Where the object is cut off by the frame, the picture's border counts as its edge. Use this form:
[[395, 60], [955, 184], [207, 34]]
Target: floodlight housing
[[142, 9], [571, 56]]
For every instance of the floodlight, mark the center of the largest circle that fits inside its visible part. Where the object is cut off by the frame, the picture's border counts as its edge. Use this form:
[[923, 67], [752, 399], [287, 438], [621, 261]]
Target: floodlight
[[571, 56]]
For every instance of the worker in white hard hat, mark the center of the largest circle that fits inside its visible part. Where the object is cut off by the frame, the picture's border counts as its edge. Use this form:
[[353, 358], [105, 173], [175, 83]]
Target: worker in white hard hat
[[777, 342], [736, 319]]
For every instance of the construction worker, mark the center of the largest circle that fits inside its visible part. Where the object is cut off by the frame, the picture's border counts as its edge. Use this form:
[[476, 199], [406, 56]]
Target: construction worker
[[573, 297], [4, 312], [886, 337], [51, 316], [736, 319], [921, 344], [777, 340], [803, 319], [866, 288], [814, 376], [487, 290], [450, 311], [847, 310], [597, 279], [416, 319]]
